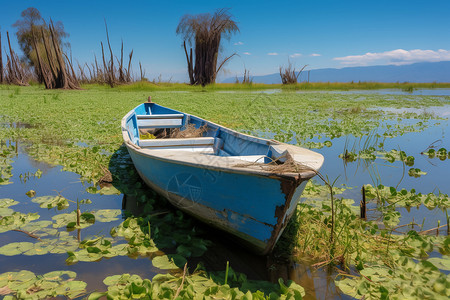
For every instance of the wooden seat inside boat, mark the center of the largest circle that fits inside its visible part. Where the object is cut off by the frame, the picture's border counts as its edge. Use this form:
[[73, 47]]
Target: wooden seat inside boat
[[174, 142], [160, 121], [200, 144]]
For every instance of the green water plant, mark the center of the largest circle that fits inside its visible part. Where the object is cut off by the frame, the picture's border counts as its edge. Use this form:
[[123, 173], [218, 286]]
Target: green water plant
[[398, 155], [96, 249], [24, 177], [6, 154], [416, 172], [5, 203], [404, 198], [198, 285], [54, 244], [27, 285], [407, 279], [15, 220], [52, 201], [441, 153]]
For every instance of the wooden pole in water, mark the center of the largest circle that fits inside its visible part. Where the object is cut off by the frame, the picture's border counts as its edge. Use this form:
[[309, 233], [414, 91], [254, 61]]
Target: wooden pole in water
[[362, 204]]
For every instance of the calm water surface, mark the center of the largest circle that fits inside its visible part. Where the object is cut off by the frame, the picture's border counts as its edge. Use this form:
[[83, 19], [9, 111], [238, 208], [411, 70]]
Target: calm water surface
[[317, 283]]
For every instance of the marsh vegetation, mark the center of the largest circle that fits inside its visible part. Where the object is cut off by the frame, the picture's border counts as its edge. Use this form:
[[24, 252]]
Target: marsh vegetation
[[66, 231]]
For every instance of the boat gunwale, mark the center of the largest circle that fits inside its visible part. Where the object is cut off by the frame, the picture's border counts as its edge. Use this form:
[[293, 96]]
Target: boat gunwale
[[304, 174]]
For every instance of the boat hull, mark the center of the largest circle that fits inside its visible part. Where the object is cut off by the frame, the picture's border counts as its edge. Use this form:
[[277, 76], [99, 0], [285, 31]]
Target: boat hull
[[231, 201]]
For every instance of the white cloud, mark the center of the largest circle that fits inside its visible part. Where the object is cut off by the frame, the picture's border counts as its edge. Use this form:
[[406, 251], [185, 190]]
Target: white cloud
[[247, 53], [395, 57], [272, 53], [238, 43], [315, 54], [295, 55]]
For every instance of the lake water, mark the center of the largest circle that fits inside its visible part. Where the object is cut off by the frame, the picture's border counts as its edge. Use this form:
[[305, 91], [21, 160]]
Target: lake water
[[317, 283]]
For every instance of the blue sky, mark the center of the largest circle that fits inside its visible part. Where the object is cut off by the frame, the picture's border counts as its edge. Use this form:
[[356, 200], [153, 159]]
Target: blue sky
[[322, 34]]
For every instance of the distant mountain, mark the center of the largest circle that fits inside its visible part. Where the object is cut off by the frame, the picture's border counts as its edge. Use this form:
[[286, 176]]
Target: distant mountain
[[418, 72]]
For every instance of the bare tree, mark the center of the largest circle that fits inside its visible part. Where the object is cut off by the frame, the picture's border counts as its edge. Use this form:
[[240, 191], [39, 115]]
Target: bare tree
[[30, 29], [15, 71], [205, 31], [289, 75], [111, 74], [53, 64], [142, 73], [246, 79]]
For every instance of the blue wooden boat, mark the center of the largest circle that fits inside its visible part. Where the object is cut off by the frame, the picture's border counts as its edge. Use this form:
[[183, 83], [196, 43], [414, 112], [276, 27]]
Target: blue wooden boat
[[232, 181]]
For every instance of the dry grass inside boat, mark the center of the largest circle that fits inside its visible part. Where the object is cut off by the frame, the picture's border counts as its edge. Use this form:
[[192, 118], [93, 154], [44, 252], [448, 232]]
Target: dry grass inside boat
[[189, 132], [277, 166], [173, 133]]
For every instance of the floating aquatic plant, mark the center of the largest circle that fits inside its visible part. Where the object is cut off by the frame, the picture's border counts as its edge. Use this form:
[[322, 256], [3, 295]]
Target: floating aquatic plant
[[416, 172], [27, 285], [406, 280], [404, 198], [197, 285], [442, 153], [52, 201]]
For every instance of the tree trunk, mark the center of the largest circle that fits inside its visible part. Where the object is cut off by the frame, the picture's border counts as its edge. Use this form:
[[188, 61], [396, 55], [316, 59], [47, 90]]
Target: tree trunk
[[16, 74], [60, 59], [40, 65], [129, 67]]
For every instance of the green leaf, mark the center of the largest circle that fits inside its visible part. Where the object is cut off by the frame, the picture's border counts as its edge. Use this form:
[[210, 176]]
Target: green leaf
[[96, 295], [31, 193], [107, 215], [16, 248], [164, 262], [442, 263], [6, 202], [52, 201]]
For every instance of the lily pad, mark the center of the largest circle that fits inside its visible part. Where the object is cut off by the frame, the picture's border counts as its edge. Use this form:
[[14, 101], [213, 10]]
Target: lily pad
[[16, 248], [96, 249], [165, 262], [59, 245], [27, 285], [107, 215], [4, 211], [6, 202], [52, 201], [16, 220], [69, 220], [441, 263], [106, 190]]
